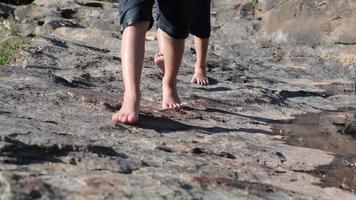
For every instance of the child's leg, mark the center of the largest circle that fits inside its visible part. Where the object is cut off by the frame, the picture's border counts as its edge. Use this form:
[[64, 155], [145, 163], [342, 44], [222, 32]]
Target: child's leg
[[200, 28], [132, 54], [136, 18], [173, 52], [173, 28], [201, 48]]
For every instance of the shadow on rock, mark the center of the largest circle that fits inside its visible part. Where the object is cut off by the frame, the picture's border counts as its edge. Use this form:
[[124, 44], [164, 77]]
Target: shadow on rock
[[16, 152], [216, 89], [163, 124], [255, 118]]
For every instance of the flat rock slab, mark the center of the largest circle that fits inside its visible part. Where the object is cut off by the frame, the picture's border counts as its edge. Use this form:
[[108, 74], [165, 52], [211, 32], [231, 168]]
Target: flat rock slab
[[57, 140]]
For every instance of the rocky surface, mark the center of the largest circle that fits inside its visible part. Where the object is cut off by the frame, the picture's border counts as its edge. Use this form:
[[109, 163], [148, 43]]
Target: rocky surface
[[56, 102]]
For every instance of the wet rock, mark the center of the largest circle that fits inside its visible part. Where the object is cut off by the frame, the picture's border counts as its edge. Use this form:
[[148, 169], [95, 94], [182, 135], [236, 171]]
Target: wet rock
[[256, 190]]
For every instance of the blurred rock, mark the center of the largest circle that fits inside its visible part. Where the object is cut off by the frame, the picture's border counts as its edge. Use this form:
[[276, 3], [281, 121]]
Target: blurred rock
[[17, 2], [310, 22], [6, 10], [350, 128]]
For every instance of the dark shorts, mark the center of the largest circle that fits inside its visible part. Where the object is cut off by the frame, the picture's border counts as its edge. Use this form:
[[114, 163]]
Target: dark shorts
[[173, 18], [200, 19]]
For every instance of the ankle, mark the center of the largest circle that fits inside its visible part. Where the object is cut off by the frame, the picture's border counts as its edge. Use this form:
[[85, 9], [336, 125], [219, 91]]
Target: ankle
[[132, 94], [169, 83], [199, 71], [199, 68]]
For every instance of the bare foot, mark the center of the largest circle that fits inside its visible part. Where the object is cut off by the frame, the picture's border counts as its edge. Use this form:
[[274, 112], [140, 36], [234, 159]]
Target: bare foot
[[200, 78], [170, 97], [159, 61], [128, 114]]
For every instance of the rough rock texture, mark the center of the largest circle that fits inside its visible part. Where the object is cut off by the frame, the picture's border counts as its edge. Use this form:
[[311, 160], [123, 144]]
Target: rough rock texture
[[56, 102]]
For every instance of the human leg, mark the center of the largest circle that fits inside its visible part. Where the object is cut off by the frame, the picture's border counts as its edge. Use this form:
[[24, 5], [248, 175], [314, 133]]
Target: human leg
[[173, 28], [200, 28], [136, 18], [173, 52], [132, 54], [201, 48]]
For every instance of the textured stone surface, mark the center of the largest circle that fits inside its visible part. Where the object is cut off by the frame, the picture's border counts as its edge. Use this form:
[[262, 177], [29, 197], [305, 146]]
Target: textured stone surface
[[56, 102], [322, 24]]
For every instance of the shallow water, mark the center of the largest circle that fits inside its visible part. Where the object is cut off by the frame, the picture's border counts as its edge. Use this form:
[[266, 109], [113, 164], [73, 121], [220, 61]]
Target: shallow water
[[329, 131]]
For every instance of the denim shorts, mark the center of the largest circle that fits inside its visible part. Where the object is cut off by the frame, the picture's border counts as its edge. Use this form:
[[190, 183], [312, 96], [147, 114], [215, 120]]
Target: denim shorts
[[173, 15]]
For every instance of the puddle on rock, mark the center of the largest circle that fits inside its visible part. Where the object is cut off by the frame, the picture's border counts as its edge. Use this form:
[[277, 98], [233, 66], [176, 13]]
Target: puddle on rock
[[330, 131]]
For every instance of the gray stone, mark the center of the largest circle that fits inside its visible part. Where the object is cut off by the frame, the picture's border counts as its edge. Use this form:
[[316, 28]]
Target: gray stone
[[5, 188], [57, 140]]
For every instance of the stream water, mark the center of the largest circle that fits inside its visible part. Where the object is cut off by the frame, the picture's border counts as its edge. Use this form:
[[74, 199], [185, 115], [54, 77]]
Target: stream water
[[334, 132]]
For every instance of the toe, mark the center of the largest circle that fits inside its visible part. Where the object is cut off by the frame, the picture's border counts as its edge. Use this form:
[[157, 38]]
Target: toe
[[115, 118], [132, 119], [119, 117], [178, 105], [124, 119]]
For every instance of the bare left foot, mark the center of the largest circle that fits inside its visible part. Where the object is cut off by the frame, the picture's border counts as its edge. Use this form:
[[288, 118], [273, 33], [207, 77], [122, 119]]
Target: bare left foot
[[171, 99], [200, 78], [128, 114]]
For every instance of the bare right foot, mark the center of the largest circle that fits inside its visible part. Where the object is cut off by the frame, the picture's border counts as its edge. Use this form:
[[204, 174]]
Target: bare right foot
[[128, 114], [171, 99], [159, 61], [200, 78]]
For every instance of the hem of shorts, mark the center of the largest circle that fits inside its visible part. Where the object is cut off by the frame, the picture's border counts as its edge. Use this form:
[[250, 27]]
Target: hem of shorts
[[202, 33], [135, 20], [204, 36], [171, 32]]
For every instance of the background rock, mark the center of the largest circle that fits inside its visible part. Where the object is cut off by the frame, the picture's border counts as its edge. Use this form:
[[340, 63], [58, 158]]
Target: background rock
[[6, 10], [17, 2]]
